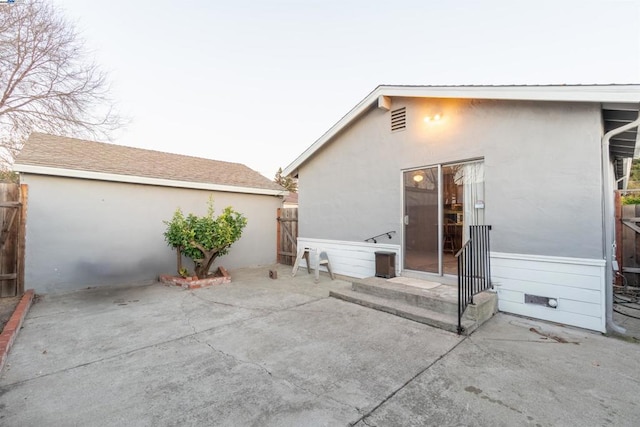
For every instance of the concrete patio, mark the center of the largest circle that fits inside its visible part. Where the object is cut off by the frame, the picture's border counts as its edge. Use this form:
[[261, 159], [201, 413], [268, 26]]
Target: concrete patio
[[282, 353]]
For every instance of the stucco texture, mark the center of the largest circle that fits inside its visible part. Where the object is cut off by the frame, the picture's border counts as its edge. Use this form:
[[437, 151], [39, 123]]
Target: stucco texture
[[84, 233], [542, 172]]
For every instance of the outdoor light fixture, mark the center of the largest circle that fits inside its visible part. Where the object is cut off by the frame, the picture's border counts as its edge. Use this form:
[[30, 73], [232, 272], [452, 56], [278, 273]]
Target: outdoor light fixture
[[435, 118]]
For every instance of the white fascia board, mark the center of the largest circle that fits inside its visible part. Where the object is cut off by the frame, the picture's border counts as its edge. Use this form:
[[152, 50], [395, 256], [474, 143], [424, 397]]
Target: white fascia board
[[131, 179], [600, 94], [626, 94], [344, 121]]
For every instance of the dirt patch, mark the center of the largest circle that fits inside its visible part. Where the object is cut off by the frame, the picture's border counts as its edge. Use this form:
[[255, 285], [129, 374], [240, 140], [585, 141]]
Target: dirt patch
[[7, 307], [553, 337]]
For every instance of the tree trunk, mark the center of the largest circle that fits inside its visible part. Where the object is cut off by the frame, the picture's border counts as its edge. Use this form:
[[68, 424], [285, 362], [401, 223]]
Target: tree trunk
[[202, 268], [203, 265], [179, 259]]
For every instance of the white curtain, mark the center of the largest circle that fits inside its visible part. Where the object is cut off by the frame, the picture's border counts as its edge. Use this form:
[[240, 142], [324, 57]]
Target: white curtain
[[471, 177]]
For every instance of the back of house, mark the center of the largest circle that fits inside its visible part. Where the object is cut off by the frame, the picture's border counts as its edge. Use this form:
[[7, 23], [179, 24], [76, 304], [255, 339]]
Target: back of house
[[419, 165]]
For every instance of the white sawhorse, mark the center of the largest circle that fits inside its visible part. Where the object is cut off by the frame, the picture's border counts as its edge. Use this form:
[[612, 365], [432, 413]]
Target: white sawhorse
[[319, 257]]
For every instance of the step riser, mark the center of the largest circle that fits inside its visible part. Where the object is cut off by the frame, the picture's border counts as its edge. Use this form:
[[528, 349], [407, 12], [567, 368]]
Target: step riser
[[437, 307], [483, 311], [441, 306], [451, 327]]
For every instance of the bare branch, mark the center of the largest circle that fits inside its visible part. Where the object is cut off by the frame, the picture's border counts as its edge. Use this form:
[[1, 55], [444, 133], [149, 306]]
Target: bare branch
[[46, 82]]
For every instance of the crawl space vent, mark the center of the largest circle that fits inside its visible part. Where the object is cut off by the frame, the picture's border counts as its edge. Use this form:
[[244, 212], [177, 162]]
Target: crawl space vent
[[399, 119]]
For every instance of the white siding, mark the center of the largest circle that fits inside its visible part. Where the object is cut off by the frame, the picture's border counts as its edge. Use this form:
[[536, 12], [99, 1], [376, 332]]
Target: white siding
[[354, 259], [577, 284]]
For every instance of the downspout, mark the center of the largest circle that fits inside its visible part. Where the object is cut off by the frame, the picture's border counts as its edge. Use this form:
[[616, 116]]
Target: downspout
[[607, 226]]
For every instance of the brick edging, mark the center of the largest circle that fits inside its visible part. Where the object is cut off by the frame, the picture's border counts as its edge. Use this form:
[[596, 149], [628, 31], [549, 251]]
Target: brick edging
[[12, 327], [195, 283]]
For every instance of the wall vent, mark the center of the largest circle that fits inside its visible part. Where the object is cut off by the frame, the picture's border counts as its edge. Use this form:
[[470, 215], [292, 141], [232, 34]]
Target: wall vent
[[398, 119], [545, 301]]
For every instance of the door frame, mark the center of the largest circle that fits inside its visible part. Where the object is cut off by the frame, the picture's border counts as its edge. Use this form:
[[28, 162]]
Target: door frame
[[417, 273]]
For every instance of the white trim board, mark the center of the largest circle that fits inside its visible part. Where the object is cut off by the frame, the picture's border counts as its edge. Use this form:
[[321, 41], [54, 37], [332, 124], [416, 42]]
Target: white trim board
[[577, 284], [132, 179], [353, 259]]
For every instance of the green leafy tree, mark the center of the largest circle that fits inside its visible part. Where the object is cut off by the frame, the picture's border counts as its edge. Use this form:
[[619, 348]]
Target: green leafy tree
[[634, 179], [289, 184], [204, 238]]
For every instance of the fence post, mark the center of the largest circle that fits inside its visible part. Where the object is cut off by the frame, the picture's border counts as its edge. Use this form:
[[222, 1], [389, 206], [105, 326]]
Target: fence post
[[278, 234], [618, 231], [22, 236]]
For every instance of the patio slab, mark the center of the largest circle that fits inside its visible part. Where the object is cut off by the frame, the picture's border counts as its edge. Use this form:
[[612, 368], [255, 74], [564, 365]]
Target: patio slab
[[280, 352], [519, 371], [256, 351]]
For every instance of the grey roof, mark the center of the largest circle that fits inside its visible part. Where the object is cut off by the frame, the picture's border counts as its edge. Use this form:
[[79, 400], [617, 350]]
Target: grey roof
[[81, 155]]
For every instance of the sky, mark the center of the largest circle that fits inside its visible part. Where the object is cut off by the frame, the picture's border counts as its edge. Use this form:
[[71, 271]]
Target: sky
[[257, 82]]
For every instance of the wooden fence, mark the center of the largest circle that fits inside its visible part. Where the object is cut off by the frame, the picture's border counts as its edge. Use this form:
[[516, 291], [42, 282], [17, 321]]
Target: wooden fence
[[13, 217], [287, 235], [629, 244]]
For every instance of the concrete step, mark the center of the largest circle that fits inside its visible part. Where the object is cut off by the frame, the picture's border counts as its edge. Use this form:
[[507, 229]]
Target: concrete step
[[426, 302], [485, 305], [441, 299], [399, 308]]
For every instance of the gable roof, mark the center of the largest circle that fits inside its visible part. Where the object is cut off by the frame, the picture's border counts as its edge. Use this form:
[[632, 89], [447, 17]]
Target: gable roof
[[61, 156], [627, 96]]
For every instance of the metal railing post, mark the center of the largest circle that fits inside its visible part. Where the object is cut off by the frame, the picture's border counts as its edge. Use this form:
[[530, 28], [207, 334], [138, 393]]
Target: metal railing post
[[474, 268]]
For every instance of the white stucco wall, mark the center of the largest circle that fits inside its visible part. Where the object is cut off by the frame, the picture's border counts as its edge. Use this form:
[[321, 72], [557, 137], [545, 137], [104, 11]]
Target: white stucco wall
[[542, 173], [88, 233]]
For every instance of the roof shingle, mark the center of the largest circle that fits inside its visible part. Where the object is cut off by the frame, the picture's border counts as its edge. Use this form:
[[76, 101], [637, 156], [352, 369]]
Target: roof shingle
[[81, 155]]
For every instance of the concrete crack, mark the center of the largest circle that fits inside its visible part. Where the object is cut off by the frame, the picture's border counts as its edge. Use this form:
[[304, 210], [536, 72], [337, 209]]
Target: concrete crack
[[195, 334], [236, 359], [193, 293], [124, 353], [409, 381], [268, 372], [365, 422], [186, 315]]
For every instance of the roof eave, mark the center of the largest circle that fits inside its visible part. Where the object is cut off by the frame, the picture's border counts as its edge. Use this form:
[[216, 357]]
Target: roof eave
[[581, 93], [355, 112], [578, 93], [131, 179]]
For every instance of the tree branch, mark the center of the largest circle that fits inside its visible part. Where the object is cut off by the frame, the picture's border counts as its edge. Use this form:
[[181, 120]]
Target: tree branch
[[46, 83]]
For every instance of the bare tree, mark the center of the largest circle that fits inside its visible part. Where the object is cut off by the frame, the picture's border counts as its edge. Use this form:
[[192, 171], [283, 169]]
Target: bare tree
[[46, 82]]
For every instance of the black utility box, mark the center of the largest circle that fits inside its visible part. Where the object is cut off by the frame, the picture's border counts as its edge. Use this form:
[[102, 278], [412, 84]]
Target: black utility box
[[385, 264]]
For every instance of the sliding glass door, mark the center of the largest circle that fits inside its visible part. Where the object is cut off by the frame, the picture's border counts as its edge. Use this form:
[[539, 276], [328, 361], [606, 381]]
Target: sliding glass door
[[440, 202], [421, 188]]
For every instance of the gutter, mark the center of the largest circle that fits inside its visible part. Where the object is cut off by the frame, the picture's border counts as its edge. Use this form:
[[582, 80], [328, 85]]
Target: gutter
[[608, 242]]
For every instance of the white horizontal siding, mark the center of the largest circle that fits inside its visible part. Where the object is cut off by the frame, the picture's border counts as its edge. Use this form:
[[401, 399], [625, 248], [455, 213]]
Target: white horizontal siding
[[354, 259], [577, 284]]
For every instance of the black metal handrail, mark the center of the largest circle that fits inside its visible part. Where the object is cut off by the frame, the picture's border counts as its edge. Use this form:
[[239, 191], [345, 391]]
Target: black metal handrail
[[373, 239], [474, 268]]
